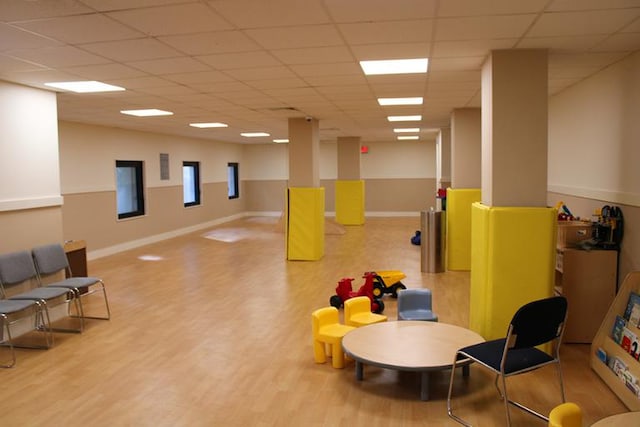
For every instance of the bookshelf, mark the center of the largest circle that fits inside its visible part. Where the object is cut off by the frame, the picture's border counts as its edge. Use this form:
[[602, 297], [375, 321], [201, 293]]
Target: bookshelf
[[604, 341]]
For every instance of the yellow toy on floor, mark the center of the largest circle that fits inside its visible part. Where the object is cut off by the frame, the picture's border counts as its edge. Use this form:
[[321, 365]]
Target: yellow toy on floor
[[327, 336]]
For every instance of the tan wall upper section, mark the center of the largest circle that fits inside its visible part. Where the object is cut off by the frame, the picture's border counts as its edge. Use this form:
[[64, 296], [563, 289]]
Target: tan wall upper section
[[348, 158], [466, 148]]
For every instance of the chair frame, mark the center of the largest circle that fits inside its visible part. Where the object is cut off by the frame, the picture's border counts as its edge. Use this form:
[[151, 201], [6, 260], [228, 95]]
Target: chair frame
[[57, 261], [33, 308], [514, 341], [31, 276]]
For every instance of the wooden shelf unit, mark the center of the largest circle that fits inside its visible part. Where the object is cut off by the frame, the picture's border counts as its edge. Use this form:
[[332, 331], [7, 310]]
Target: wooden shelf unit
[[603, 340], [588, 280]]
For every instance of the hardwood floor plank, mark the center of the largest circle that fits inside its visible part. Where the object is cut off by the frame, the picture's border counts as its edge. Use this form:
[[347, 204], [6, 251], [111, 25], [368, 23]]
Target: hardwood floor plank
[[214, 329]]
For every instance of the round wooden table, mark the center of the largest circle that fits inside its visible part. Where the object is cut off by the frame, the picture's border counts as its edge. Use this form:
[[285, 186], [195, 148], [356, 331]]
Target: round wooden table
[[626, 419], [408, 346]]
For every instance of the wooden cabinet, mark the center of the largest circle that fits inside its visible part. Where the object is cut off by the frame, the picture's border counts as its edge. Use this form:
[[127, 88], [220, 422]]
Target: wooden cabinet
[[588, 280], [603, 341], [76, 251]]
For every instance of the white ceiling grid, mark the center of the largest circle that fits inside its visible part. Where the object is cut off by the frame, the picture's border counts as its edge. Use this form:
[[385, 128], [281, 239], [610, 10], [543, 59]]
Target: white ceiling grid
[[255, 63]]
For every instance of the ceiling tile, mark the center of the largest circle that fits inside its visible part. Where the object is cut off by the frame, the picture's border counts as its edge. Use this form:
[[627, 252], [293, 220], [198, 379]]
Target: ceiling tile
[[157, 21], [377, 10], [571, 43], [483, 27], [335, 80], [20, 10], [565, 5], [365, 52], [108, 5], [387, 32], [132, 50], [448, 49], [327, 69], [313, 55], [211, 43], [582, 23], [296, 37], [225, 61], [461, 8], [170, 65], [105, 71], [59, 56], [16, 38], [260, 73], [619, 42], [199, 77], [272, 13], [81, 29], [277, 83], [10, 64], [456, 64]]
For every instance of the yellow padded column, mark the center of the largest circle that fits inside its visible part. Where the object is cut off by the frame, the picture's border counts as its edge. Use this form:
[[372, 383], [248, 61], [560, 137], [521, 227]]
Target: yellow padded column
[[305, 223], [513, 252], [350, 202], [458, 227]]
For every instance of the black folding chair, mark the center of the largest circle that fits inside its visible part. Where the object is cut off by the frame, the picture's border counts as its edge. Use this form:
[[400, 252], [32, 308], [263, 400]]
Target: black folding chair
[[536, 323]]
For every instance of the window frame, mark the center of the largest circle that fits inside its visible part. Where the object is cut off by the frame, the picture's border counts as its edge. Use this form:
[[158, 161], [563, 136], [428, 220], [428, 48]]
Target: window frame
[[196, 184], [236, 181], [138, 166]]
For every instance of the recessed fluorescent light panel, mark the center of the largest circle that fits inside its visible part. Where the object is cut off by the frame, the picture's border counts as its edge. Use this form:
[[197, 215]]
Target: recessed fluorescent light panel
[[400, 101], [404, 118], [408, 137], [85, 86], [406, 130], [280, 141], [147, 113], [209, 125], [254, 134], [395, 66]]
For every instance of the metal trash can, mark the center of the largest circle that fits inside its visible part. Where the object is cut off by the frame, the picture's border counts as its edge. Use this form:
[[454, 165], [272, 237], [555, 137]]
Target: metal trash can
[[432, 248]]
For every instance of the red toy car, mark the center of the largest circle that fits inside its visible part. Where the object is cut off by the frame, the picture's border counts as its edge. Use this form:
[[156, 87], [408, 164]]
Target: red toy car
[[344, 291]]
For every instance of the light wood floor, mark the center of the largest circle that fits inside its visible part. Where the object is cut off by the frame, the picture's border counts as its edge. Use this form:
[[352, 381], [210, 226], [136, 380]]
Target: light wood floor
[[214, 329]]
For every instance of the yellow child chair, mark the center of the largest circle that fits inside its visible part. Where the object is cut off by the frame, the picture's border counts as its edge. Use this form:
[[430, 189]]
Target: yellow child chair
[[328, 332], [566, 414], [357, 312]]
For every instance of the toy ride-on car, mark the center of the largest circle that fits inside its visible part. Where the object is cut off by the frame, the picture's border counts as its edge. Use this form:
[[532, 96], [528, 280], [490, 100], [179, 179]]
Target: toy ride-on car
[[387, 282], [344, 291]]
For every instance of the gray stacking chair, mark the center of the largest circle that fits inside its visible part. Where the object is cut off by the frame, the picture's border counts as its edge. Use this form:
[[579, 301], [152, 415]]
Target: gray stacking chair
[[415, 304], [17, 268], [52, 259], [12, 311]]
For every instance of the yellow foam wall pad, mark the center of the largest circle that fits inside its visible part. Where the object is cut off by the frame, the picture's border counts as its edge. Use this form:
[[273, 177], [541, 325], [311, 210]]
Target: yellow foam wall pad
[[305, 224], [458, 227], [350, 202], [513, 263]]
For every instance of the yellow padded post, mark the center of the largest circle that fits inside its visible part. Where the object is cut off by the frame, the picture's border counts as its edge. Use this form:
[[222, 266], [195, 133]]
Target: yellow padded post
[[357, 312], [458, 227], [327, 331], [350, 202], [513, 251], [305, 223]]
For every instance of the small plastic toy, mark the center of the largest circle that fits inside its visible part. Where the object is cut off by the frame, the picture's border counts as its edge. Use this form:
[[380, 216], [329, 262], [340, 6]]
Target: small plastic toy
[[344, 291], [387, 282]]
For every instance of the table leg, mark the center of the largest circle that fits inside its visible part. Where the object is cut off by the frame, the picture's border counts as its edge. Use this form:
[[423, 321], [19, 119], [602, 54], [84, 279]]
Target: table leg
[[359, 371], [424, 386]]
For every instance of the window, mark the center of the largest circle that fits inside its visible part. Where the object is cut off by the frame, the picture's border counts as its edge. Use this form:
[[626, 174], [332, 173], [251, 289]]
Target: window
[[232, 178], [191, 183], [129, 188]]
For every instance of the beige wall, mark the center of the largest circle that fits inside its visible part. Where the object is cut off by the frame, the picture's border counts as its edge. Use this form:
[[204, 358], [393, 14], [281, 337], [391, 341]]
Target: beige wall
[[466, 148], [594, 135], [30, 197]]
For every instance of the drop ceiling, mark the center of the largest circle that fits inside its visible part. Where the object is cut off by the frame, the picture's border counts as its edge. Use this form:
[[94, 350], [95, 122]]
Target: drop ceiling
[[254, 63]]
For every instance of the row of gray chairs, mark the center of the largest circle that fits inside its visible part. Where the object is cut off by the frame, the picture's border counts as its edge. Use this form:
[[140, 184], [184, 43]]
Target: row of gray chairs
[[31, 282]]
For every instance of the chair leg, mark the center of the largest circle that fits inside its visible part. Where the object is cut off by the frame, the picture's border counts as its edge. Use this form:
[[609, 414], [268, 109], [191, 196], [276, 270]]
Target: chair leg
[[449, 400], [9, 341], [559, 370], [337, 355], [505, 398], [319, 352]]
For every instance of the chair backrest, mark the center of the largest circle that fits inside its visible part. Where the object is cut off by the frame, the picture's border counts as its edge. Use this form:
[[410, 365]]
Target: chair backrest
[[414, 299], [356, 305], [538, 322], [324, 316], [15, 268], [50, 259], [566, 414]]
